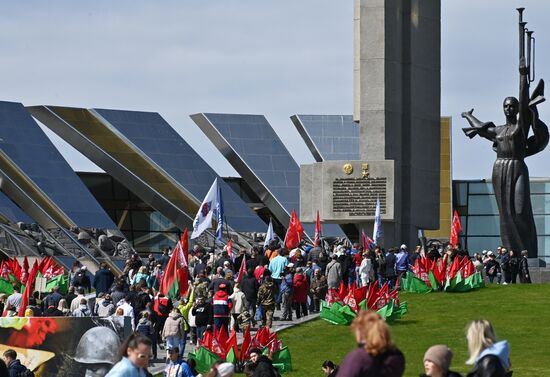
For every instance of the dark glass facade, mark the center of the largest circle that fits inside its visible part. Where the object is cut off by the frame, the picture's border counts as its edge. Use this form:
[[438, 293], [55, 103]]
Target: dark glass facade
[[148, 230], [478, 211]]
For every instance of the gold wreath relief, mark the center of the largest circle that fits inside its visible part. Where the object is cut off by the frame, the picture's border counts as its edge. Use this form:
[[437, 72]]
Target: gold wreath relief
[[347, 168]]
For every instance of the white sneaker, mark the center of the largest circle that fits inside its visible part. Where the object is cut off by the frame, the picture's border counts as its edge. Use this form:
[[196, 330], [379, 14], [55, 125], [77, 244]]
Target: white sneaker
[[505, 283]]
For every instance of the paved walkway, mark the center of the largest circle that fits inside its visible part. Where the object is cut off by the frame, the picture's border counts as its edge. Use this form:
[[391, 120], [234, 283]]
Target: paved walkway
[[278, 325]]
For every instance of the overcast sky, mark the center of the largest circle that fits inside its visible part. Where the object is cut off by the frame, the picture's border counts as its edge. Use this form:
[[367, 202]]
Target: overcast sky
[[274, 58]]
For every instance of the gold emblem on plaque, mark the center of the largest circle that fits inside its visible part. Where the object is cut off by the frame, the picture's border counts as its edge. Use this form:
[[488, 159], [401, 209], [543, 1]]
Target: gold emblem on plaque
[[365, 170], [347, 168]]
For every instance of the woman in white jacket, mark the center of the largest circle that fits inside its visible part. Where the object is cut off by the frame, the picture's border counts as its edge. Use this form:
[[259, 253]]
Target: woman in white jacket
[[366, 270]]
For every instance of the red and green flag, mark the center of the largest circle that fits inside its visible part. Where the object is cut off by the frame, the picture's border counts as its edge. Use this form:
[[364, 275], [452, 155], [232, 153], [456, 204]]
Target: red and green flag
[[175, 280], [203, 358]]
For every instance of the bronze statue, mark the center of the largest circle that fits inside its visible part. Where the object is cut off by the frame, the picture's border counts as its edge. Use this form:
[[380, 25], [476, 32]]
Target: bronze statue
[[512, 144]]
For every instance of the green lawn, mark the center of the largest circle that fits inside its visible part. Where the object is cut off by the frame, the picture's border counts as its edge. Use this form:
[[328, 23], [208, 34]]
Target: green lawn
[[519, 313]]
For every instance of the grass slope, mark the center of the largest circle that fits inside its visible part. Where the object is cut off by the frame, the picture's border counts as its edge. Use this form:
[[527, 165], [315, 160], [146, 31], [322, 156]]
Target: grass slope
[[519, 313]]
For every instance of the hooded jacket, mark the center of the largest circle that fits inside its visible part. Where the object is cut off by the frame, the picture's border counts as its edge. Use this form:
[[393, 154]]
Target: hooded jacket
[[301, 288], [266, 294], [493, 361], [105, 308], [221, 304], [173, 326]]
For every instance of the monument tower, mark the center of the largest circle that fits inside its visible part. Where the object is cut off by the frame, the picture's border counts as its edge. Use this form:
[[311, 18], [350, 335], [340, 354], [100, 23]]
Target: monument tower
[[397, 107]]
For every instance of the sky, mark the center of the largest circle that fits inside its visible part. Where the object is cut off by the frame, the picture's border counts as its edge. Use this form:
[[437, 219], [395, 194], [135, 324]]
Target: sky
[[275, 58]]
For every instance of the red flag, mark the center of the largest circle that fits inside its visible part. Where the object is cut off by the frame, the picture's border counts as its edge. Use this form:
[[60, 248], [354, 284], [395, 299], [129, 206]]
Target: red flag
[[221, 337], [317, 230], [364, 240], [262, 336], [455, 266], [455, 229], [242, 270], [175, 280], [245, 346], [343, 292], [360, 294], [25, 270], [229, 249], [294, 232], [29, 289], [232, 343]]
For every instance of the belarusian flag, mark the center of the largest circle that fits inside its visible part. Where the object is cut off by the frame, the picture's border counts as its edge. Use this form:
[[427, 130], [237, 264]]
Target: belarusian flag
[[204, 359], [60, 281], [282, 360], [175, 280], [232, 348]]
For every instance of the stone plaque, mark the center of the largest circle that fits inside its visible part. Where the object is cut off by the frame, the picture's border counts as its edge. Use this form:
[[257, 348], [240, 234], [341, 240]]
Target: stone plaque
[[357, 196], [346, 196]]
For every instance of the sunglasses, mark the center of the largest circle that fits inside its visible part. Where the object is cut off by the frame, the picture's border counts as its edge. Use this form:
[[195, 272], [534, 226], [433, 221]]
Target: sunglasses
[[144, 356]]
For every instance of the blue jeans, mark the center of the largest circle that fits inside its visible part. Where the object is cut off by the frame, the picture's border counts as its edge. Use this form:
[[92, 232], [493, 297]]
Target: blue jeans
[[200, 332], [176, 341], [221, 321], [381, 280], [278, 296]]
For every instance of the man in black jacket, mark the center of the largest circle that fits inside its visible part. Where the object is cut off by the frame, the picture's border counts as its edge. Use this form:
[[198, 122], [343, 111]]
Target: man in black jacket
[[250, 286], [103, 280], [390, 267], [261, 364], [15, 368]]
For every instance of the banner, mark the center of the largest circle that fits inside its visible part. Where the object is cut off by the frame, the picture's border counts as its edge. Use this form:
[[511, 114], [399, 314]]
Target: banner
[[64, 346]]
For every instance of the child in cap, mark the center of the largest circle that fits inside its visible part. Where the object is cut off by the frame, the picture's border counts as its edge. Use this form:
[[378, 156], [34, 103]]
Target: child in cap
[[437, 361]]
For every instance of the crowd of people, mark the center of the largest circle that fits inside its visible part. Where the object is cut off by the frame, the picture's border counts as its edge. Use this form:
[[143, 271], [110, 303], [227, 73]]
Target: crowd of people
[[505, 267], [231, 290]]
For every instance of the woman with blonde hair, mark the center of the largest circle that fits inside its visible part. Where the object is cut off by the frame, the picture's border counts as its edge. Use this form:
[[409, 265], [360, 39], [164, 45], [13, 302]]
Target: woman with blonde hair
[[489, 357], [63, 306], [376, 355]]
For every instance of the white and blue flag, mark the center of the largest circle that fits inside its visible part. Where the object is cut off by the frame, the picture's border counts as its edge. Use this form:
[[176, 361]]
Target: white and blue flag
[[211, 206], [377, 231], [269, 235]]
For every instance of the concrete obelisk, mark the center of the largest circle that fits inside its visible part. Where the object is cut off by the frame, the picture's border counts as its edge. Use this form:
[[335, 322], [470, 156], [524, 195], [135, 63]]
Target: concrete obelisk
[[397, 107]]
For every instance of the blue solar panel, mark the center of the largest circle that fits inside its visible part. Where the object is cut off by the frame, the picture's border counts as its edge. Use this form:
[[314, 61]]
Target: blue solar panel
[[161, 143], [11, 211], [334, 137], [264, 155], [24, 142]]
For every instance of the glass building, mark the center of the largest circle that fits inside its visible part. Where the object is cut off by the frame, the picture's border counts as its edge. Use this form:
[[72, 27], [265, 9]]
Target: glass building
[[477, 207]]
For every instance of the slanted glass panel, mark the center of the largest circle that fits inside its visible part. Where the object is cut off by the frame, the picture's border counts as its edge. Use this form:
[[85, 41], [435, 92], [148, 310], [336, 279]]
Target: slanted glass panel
[[161, 143], [336, 137], [24, 142], [272, 164]]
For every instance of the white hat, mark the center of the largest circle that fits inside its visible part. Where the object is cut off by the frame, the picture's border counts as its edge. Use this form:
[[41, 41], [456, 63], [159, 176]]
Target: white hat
[[83, 268], [290, 265], [403, 246], [225, 369], [484, 252], [490, 253]]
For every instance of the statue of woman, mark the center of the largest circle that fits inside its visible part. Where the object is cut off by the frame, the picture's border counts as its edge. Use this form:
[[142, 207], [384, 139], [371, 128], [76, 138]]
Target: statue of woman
[[510, 175]]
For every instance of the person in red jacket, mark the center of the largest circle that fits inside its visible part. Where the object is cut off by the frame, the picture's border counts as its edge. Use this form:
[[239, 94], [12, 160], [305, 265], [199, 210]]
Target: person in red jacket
[[221, 308], [301, 288]]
